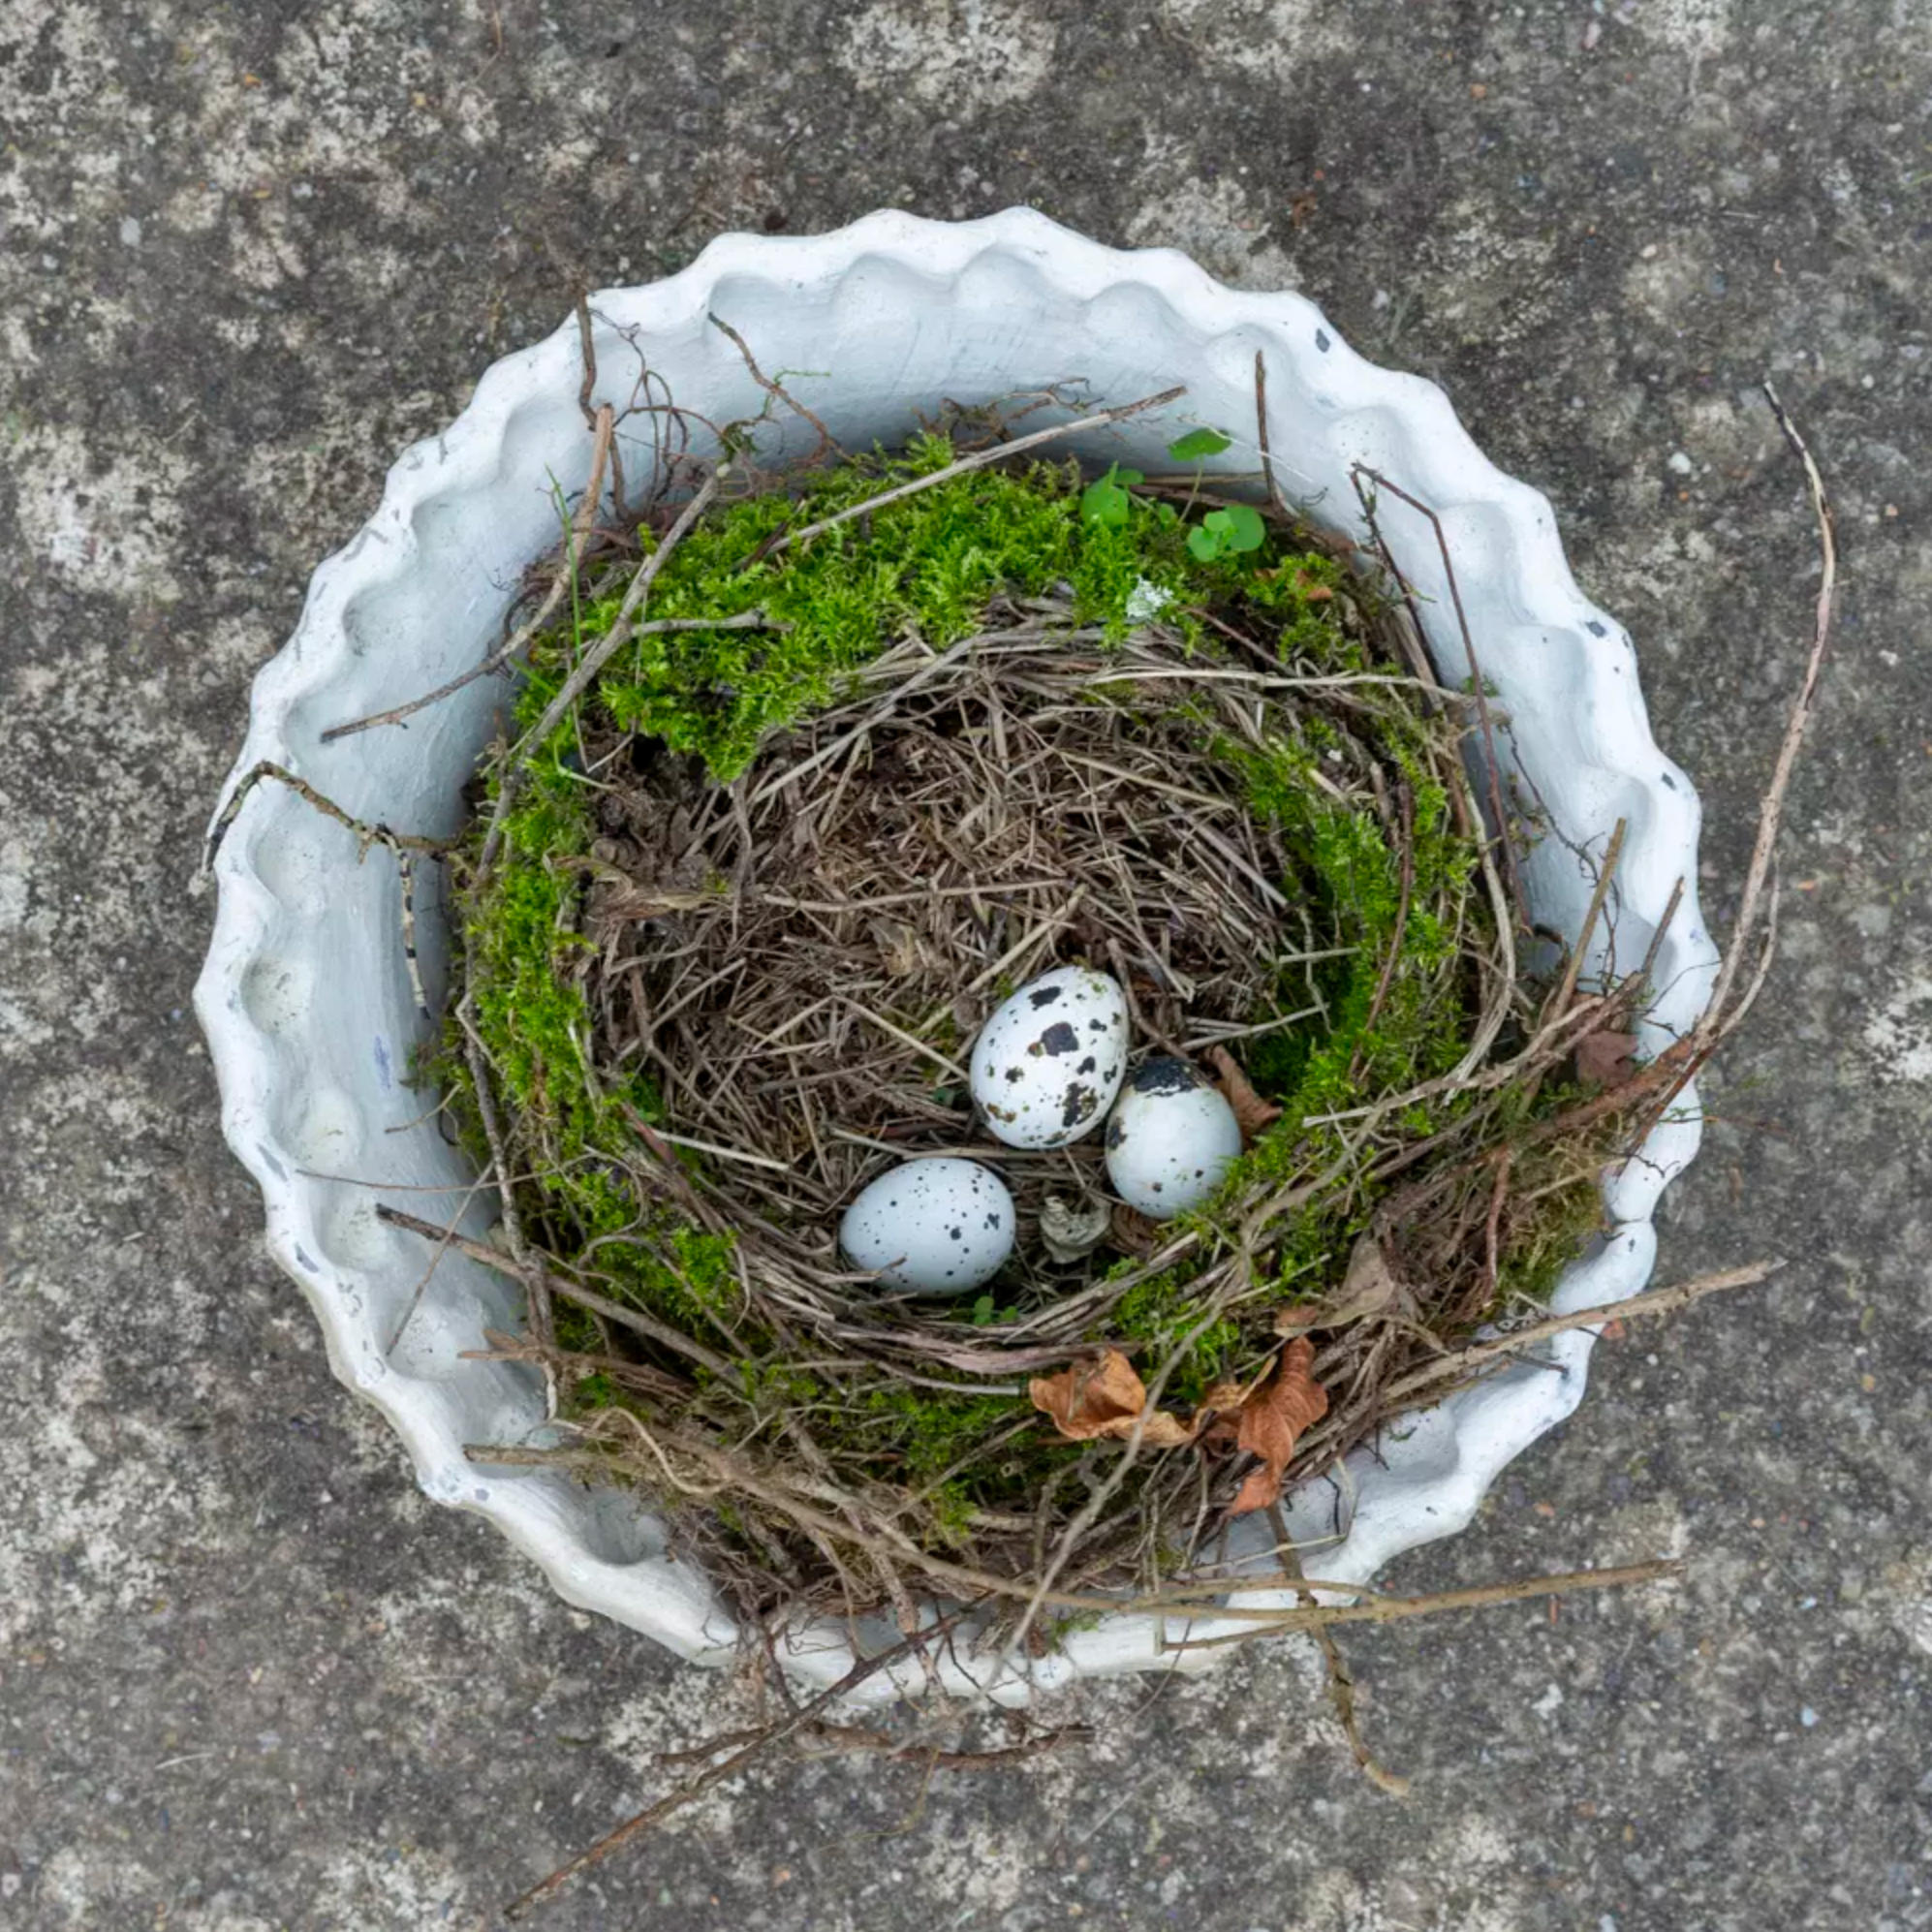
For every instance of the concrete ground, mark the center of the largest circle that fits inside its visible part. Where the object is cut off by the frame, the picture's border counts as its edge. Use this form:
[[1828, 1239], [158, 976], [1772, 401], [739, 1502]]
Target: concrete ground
[[251, 1679]]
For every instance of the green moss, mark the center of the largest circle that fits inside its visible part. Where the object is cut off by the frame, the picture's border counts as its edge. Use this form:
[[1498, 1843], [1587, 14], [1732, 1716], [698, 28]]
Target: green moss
[[931, 565], [928, 564]]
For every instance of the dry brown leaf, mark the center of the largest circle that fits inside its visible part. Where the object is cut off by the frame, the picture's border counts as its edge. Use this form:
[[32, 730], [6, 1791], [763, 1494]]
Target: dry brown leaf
[[1104, 1398], [1251, 1110], [1272, 1421], [1369, 1287], [1607, 1059]]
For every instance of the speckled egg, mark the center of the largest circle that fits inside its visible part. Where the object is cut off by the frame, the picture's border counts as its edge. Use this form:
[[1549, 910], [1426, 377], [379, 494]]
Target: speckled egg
[[931, 1226], [1171, 1138], [1048, 1065]]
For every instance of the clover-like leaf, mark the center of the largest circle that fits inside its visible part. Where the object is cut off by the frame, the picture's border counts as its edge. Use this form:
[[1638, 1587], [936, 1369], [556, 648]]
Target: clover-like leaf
[[1242, 528], [1105, 501], [1197, 444], [1205, 541]]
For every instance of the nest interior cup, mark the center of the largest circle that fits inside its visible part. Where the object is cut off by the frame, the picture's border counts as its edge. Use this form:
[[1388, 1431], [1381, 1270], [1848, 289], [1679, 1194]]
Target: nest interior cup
[[306, 1000]]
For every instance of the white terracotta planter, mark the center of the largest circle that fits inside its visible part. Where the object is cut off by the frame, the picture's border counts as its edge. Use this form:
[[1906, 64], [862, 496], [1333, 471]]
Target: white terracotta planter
[[304, 997]]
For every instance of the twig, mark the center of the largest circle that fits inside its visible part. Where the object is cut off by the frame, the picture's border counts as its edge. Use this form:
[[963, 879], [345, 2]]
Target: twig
[[405, 865], [695, 1788], [998, 452], [368, 831], [587, 347], [1653, 1301], [1482, 697], [1771, 811], [593, 660], [1261, 432], [1573, 967], [634, 1318], [1398, 1609], [744, 621], [1340, 1684], [603, 423], [534, 1281]]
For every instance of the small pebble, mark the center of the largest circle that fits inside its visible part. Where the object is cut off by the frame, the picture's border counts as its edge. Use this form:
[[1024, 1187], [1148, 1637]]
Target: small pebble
[[1679, 464]]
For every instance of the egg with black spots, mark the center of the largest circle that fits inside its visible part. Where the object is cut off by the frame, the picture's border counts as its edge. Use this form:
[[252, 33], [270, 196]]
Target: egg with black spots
[[937, 1225], [1047, 1065], [1171, 1138]]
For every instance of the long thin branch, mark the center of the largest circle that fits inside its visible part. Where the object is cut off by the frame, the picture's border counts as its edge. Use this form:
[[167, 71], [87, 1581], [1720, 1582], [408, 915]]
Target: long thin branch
[[603, 423], [997, 452], [593, 660], [1396, 1610], [1771, 811], [694, 1788], [1653, 1301], [634, 1318], [530, 1271], [367, 832], [745, 620]]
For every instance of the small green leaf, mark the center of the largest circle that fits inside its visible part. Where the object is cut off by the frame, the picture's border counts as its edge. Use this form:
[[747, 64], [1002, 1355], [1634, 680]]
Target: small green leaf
[[1197, 444], [1245, 530], [1205, 544], [982, 1311], [1104, 500]]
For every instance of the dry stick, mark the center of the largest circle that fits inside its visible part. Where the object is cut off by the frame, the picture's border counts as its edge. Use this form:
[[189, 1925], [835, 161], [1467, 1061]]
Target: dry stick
[[771, 1736], [1653, 1301], [588, 348], [593, 660], [368, 831], [536, 1282], [1482, 697], [402, 848], [586, 510], [745, 620], [1657, 938], [1411, 634], [1261, 432], [1612, 853], [1385, 979], [447, 1238], [1340, 1684], [405, 865], [996, 454], [612, 1311], [1396, 1610], [1762, 853]]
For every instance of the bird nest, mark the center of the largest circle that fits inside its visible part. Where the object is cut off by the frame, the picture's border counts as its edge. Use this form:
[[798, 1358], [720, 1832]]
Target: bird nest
[[750, 872]]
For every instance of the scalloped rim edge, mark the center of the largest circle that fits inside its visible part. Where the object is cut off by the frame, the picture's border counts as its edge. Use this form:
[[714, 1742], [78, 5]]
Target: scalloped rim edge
[[1490, 1425]]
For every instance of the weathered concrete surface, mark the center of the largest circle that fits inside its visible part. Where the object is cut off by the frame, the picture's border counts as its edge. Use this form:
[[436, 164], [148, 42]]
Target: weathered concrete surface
[[250, 1680]]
